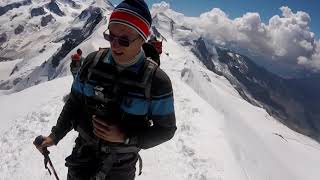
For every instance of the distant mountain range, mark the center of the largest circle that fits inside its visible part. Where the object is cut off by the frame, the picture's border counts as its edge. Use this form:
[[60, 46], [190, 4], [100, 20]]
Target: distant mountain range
[[294, 102]]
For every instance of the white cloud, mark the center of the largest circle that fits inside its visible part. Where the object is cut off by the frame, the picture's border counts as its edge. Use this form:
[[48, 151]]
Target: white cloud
[[306, 45], [315, 58], [286, 38], [302, 60], [160, 7], [312, 63], [215, 25]]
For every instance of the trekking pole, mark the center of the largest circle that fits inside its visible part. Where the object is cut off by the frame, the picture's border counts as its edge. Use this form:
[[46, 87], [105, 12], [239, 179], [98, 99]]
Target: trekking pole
[[38, 141]]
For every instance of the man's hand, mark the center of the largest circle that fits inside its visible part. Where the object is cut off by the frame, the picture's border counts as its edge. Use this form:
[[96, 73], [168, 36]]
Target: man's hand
[[47, 142], [107, 132]]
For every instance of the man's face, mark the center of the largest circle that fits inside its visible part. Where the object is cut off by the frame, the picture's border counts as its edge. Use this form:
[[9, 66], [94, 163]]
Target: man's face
[[121, 53]]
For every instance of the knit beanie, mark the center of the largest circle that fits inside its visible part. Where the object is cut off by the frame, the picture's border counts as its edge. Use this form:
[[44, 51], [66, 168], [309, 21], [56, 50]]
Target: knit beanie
[[135, 14]]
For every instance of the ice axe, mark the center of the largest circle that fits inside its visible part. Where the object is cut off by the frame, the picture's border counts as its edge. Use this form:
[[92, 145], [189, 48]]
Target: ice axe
[[38, 141]]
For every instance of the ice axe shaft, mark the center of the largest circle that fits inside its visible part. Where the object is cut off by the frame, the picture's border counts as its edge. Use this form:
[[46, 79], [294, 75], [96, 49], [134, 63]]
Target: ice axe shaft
[[54, 171]]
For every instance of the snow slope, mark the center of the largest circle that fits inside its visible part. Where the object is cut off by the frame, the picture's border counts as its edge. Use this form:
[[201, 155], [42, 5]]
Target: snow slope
[[6, 68], [263, 147], [220, 136]]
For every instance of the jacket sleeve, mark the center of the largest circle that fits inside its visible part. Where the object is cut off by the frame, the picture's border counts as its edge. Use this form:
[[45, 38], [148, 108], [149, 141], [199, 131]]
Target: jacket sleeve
[[162, 114], [70, 110], [64, 122]]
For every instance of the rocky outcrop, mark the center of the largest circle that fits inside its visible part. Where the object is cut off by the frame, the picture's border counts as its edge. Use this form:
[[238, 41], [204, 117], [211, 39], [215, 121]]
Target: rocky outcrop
[[37, 11], [19, 29], [53, 7], [5, 9], [46, 19], [73, 4], [76, 36], [3, 38]]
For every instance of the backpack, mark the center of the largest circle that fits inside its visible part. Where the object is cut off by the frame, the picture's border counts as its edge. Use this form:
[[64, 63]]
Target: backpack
[[158, 46], [151, 52], [75, 62], [75, 57]]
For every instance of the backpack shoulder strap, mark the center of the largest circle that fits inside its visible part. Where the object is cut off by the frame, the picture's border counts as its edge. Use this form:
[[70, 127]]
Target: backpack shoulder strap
[[150, 70], [92, 61], [96, 60]]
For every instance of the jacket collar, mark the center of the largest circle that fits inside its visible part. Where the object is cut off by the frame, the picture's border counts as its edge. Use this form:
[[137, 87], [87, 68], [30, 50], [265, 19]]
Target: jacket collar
[[135, 68]]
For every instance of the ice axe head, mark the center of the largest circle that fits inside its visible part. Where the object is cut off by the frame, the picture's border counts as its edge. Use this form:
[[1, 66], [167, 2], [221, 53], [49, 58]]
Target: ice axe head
[[38, 141]]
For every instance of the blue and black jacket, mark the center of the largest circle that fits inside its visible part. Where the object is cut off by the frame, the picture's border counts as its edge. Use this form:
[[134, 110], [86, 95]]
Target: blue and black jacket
[[146, 121]]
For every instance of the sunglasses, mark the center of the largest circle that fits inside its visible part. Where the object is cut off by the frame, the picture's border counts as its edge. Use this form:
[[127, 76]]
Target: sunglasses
[[122, 41]]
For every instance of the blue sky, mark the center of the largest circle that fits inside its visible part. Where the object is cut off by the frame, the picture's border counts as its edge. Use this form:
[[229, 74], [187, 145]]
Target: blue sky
[[236, 8]]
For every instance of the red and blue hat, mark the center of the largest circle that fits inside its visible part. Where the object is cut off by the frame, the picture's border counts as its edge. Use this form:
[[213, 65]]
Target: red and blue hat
[[135, 14]]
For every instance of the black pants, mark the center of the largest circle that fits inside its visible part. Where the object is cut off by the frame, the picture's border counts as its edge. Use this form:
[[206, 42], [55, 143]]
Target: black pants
[[84, 164]]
